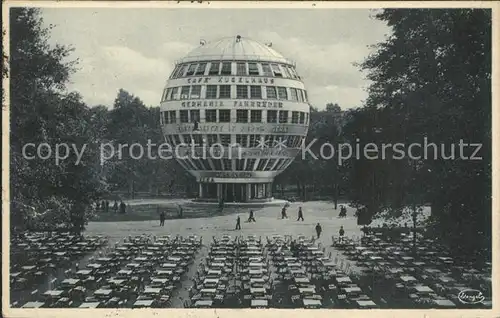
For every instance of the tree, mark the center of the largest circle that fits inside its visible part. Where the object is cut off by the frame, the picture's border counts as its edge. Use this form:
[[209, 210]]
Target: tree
[[432, 79]]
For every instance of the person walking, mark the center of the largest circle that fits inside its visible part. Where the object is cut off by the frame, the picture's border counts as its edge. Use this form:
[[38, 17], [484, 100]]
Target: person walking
[[238, 225], [107, 206], [162, 218], [318, 230], [283, 213], [103, 206], [115, 207], [251, 217], [301, 216]]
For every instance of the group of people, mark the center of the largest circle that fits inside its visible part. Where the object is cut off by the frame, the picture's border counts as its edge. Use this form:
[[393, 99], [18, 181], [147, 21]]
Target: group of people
[[104, 206], [300, 216]]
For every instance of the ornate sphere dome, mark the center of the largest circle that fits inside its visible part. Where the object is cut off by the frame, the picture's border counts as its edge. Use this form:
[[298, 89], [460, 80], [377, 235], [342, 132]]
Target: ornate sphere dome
[[236, 112]]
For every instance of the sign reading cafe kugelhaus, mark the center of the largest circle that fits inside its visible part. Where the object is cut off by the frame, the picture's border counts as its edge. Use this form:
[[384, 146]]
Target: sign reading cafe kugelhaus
[[231, 79]]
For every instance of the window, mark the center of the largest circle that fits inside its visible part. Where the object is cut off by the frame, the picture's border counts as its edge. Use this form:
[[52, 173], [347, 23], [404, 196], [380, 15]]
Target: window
[[224, 115], [272, 116], [191, 69], [211, 139], [227, 164], [305, 96], [241, 69], [301, 118], [295, 117], [283, 116], [211, 91], [185, 92], [174, 73], [201, 69], [285, 71], [168, 96], [292, 72], [266, 70], [163, 118], [195, 115], [187, 139], [307, 118], [276, 70], [254, 141], [282, 93], [210, 116], [250, 164], [195, 92], [182, 70], [184, 116], [225, 140], [226, 68], [242, 116], [225, 91], [256, 116], [270, 164], [260, 166], [299, 94], [271, 92], [172, 117], [255, 92], [293, 94], [253, 69], [242, 140], [214, 68], [241, 91], [174, 93], [240, 164]]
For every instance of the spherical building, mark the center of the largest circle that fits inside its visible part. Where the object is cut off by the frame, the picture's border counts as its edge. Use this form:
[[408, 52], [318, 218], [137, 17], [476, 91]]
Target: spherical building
[[236, 112]]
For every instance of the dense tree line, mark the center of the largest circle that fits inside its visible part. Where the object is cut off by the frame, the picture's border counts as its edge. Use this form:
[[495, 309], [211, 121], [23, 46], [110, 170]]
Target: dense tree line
[[431, 79]]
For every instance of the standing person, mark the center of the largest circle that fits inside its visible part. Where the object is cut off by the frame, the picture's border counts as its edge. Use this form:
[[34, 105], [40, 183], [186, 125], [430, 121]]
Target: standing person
[[283, 213], [107, 206], [341, 234], [115, 207], [318, 230], [162, 218], [301, 216], [123, 207], [238, 225], [251, 217], [103, 206]]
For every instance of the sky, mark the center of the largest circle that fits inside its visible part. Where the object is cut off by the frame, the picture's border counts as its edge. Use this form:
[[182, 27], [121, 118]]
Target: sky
[[136, 49]]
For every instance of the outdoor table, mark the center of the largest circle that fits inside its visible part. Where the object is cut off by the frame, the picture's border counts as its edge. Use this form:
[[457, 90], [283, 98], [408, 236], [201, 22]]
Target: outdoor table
[[445, 279], [311, 303], [208, 291], [90, 305], [153, 291], [344, 279], [104, 259], [203, 303], [14, 275], [257, 290], [291, 265], [308, 291], [28, 268], [161, 281], [301, 280], [169, 265], [366, 304], [211, 281], [216, 273], [259, 303], [256, 265], [291, 259], [164, 273], [124, 272], [53, 293], [60, 253], [216, 265], [133, 265], [329, 264], [94, 265], [103, 292], [443, 302], [140, 259], [257, 281], [174, 259], [117, 282], [423, 289], [407, 279], [70, 281], [143, 303], [352, 290], [33, 304]]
